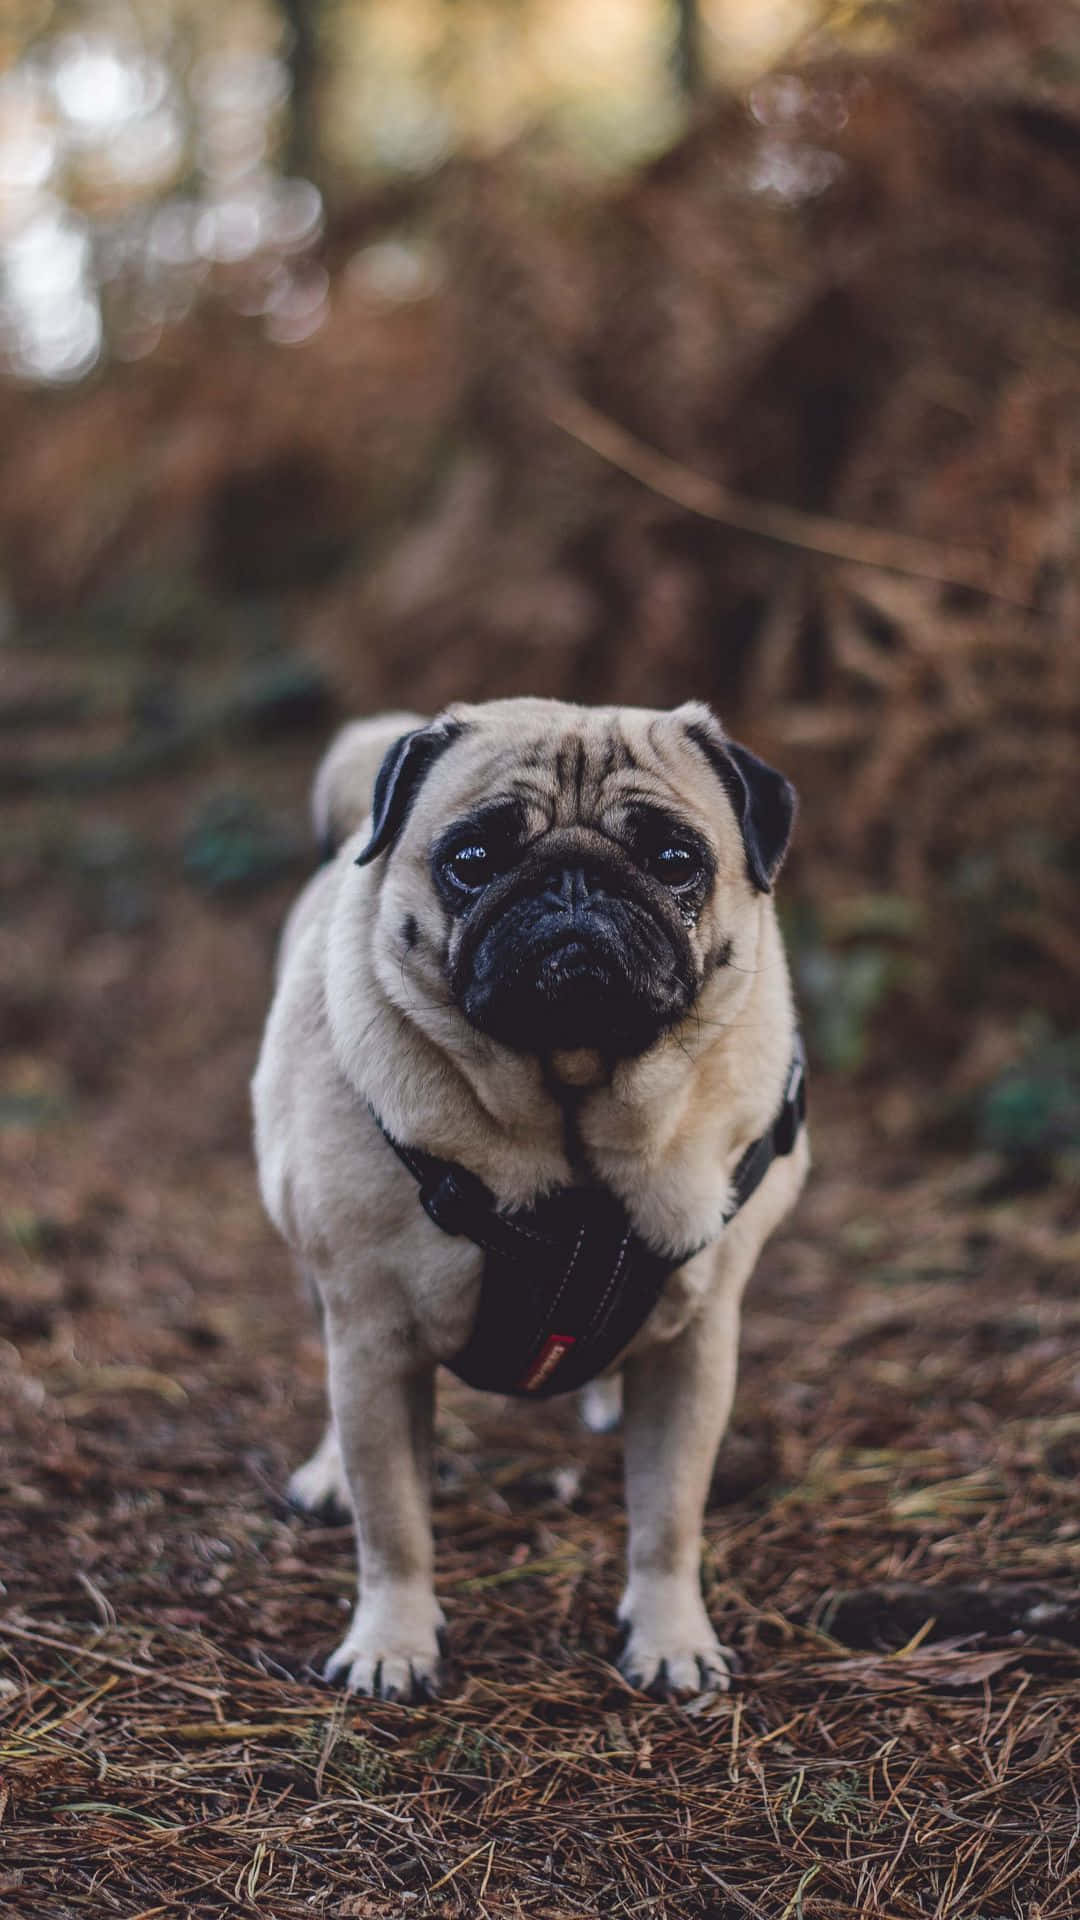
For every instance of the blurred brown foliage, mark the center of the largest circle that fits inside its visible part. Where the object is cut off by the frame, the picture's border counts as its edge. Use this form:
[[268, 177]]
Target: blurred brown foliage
[[859, 300]]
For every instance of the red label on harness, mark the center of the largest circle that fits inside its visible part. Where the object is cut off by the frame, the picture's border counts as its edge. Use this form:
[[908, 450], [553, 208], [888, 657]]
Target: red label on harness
[[549, 1357]]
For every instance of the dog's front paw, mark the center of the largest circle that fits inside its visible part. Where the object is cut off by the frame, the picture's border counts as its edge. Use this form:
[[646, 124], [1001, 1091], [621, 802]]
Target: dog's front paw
[[391, 1649], [670, 1646]]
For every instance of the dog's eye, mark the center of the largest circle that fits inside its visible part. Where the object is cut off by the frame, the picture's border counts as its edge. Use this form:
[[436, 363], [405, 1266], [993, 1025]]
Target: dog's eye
[[471, 866], [674, 865]]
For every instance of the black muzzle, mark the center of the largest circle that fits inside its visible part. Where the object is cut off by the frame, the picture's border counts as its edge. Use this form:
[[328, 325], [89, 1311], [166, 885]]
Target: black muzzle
[[574, 950]]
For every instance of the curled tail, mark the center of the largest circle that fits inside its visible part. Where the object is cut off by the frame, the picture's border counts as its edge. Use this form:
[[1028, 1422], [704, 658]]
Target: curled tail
[[341, 794]]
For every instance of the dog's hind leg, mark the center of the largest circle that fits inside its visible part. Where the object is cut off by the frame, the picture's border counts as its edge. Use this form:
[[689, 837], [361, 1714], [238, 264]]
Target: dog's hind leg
[[601, 1403], [319, 1486]]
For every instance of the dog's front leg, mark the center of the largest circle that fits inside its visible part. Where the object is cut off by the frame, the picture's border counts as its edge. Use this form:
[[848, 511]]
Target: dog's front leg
[[383, 1406], [677, 1400]]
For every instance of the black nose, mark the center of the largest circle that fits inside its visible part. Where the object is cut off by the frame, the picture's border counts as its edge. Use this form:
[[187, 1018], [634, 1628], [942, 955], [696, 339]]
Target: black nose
[[568, 890]]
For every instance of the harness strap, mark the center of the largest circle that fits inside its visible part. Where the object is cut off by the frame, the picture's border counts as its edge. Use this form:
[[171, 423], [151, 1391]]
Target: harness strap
[[568, 1282], [778, 1142]]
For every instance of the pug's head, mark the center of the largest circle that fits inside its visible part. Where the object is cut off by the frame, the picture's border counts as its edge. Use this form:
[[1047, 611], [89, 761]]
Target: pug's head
[[567, 877]]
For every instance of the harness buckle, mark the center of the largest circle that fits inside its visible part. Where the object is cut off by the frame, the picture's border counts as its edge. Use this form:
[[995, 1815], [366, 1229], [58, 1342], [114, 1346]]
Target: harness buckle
[[450, 1203]]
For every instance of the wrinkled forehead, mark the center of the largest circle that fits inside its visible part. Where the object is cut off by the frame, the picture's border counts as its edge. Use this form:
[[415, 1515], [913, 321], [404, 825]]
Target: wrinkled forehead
[[586, 768]]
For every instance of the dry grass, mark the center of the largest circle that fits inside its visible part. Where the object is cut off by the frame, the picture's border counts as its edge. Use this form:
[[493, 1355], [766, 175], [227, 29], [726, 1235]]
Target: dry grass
[[892, 1549]]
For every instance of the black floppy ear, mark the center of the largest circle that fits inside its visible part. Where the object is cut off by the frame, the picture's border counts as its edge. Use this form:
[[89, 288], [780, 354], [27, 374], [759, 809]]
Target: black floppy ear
[[765, 810], [764, 802], [398, 781]]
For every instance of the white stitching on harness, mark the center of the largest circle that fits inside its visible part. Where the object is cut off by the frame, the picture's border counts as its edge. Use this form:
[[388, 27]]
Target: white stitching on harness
[[597, 1320], [566, 1276]]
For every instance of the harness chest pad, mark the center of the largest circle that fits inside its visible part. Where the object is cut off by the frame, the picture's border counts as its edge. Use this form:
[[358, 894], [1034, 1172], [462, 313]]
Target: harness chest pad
[[569, 1281]]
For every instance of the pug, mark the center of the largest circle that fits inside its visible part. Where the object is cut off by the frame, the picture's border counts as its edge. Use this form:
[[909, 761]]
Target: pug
[[529, 1104]]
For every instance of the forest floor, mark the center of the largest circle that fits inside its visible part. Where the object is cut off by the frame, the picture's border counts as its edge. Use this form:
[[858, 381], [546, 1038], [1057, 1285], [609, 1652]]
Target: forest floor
[[892, 1539]]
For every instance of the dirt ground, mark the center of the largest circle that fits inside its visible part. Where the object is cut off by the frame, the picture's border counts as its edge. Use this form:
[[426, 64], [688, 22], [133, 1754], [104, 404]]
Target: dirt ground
[[892, 1541]]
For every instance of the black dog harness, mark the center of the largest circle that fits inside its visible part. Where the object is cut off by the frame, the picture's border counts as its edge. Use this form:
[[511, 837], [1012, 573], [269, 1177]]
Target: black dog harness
[[568, 1281]]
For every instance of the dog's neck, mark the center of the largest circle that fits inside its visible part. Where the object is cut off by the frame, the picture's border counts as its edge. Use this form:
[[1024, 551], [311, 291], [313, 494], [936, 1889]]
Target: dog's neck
[[664, 1132]]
